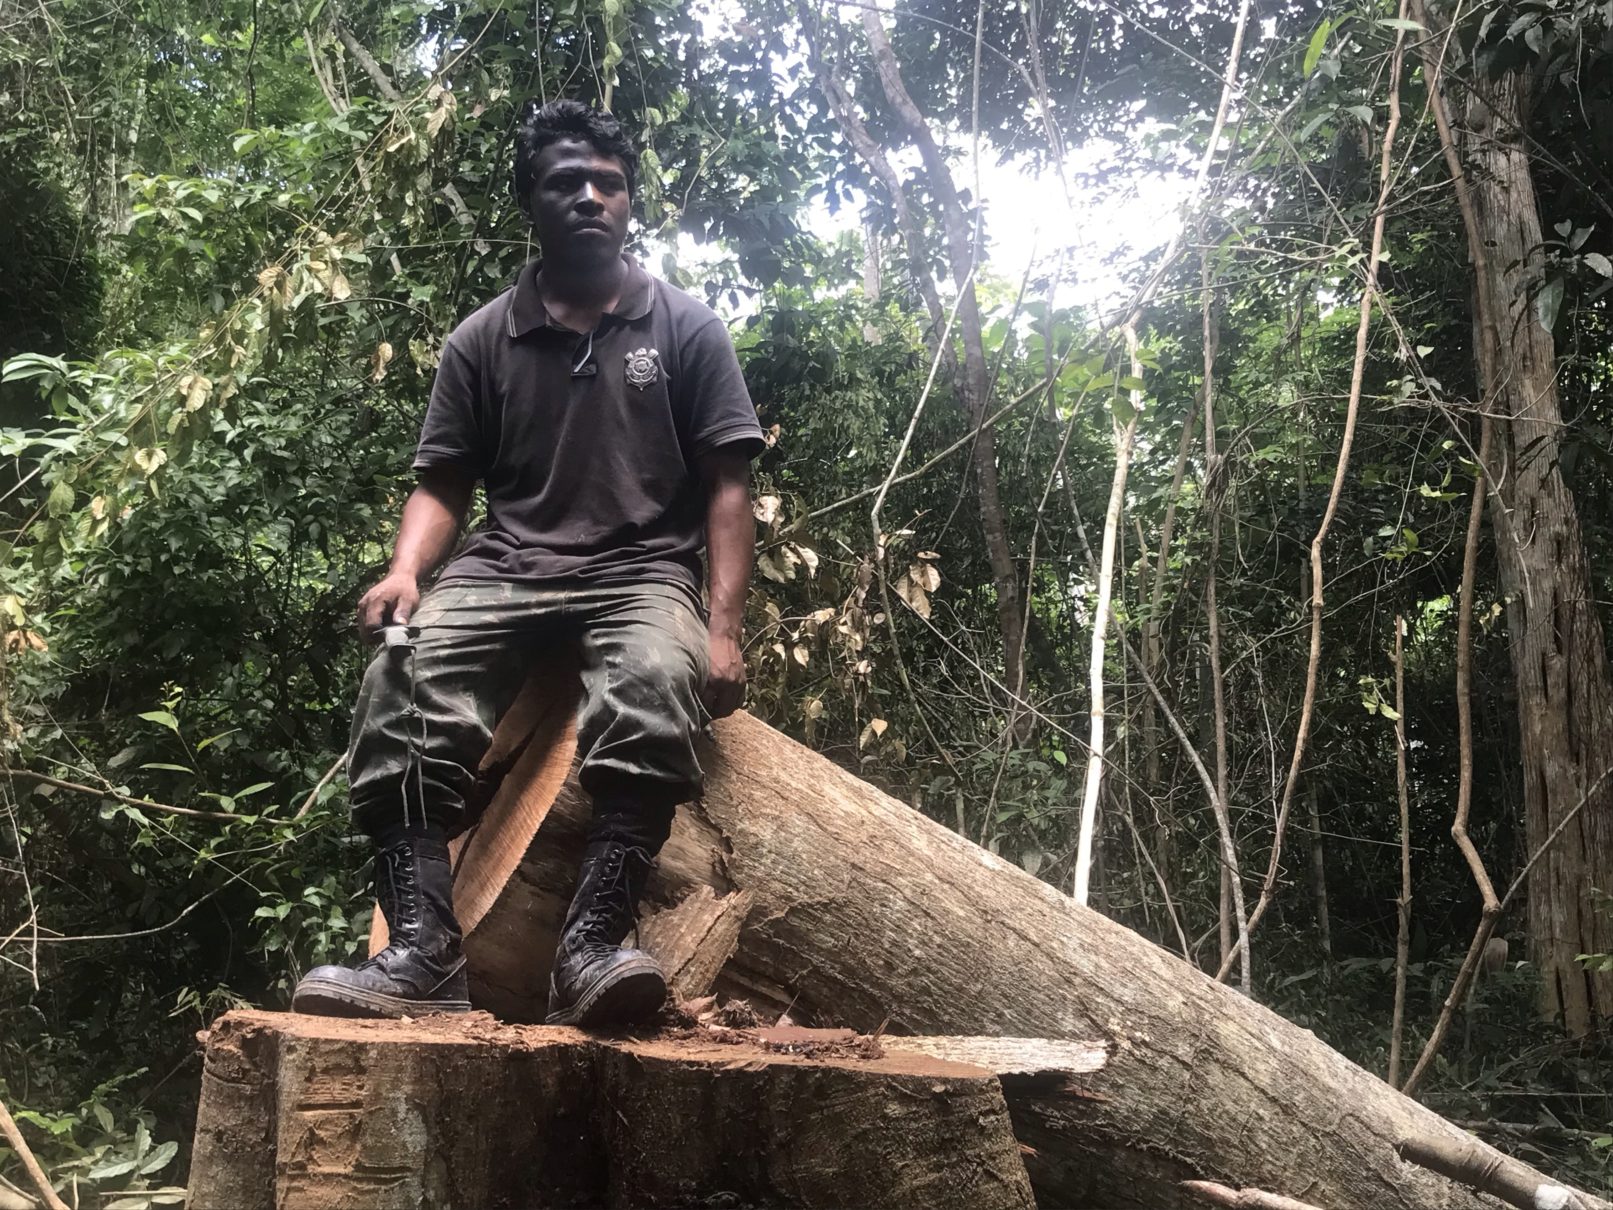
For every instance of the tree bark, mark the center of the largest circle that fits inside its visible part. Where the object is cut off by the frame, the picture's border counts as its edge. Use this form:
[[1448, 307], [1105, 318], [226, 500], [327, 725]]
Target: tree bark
[[1559, 658], [310, 1113], [972, 378], [868, 914]]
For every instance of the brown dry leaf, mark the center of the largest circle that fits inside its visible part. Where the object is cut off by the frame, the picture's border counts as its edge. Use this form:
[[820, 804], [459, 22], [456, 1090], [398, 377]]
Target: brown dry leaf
[[801, 654], [767, 508], [770, 438], [911, 591], [195, 388], [874, 729], [927, 554], [814, 707], [379, 360], [807, 556], [770, 569], [276, 285]]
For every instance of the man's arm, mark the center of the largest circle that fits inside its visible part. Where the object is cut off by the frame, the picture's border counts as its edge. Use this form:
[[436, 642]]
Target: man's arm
[[730, 547], [431, 520]]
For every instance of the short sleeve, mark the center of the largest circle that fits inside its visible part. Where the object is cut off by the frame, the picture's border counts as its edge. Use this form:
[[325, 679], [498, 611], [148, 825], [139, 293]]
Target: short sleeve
[[721, 413], [451, 434]]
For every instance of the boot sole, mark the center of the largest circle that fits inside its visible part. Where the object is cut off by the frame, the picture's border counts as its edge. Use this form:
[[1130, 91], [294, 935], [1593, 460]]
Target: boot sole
[[321, 998], [629, 996]]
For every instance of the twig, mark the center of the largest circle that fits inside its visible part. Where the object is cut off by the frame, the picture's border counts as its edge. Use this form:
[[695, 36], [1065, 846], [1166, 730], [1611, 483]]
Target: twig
[[313, 795], [1369, 291], [1125, 439], [1243, 1199], [361, 54], [1490, 911], [32, 922], [189, 908], [1231, 876], [1479, 1166], [127, 800], [1403, 942], [8, 1127]]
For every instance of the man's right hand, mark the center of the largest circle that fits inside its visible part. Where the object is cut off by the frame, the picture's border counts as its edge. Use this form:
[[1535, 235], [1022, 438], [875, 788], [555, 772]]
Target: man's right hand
[[392, 601]]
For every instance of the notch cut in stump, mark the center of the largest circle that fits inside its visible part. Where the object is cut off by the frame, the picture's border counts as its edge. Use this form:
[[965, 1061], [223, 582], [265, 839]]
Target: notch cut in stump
[[314, 1113]]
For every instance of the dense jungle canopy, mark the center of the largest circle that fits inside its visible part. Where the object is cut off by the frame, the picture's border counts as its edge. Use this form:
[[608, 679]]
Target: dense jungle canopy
[[1294, 497]]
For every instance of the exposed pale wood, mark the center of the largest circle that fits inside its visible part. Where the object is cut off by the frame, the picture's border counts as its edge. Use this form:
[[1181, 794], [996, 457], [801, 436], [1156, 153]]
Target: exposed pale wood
[[870, 915], [693, 940], [309, 1113], [1010, 1056]]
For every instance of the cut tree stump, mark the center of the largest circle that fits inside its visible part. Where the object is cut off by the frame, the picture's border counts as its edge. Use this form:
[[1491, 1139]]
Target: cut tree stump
[[865, 913], [461, 1113]]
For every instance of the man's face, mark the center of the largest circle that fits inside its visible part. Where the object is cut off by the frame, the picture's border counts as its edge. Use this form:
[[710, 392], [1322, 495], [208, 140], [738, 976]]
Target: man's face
[[579, 205]]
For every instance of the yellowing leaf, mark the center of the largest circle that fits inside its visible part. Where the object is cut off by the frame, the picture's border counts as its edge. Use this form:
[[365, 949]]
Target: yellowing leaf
[[874, 729], [801, 654], [149, 460]]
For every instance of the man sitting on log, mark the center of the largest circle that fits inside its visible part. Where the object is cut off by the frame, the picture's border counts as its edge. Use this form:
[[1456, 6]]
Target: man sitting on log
[[605, 414]]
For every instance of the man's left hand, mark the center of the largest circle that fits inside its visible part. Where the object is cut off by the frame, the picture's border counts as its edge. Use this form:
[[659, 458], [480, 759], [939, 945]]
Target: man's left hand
[[725, 682]]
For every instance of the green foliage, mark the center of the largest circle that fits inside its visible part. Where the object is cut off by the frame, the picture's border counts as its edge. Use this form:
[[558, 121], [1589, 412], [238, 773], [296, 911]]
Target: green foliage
[[245, 254]]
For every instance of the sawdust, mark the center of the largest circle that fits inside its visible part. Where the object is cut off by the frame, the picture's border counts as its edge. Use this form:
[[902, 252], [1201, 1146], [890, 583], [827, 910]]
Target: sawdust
[[736, 1023]]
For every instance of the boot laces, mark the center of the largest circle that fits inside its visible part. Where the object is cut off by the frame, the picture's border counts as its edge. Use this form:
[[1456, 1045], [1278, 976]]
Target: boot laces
[[615, 897], [398, 902]]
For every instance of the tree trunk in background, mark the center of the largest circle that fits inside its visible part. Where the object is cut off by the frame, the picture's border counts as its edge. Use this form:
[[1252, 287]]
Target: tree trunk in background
[[972, 375], [1559, 659]]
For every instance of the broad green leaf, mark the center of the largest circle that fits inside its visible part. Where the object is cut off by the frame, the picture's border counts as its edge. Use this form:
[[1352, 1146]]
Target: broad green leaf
[[159, 1158], [1599, 263], [60, 501], [1548, 302], [163, 718], [1313, 52], [106, 1171], [157, 764]]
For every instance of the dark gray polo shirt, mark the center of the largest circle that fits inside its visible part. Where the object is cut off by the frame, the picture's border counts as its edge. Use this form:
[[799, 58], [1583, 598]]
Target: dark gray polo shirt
[[588, 445]]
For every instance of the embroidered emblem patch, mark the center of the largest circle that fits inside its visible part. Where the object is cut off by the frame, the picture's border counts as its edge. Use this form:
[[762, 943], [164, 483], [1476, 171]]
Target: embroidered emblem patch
[[643, 367]]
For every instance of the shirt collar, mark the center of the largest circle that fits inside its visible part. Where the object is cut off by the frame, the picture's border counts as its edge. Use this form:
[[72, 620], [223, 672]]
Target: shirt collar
[[526, 312]]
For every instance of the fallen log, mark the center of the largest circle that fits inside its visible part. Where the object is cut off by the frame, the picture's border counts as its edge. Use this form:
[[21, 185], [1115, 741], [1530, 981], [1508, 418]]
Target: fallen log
[[1482, 1168], [311, 1113], [867, 914]]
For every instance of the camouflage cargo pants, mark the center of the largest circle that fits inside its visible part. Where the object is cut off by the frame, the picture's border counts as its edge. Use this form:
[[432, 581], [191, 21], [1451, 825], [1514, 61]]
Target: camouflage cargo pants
[[425, 718]]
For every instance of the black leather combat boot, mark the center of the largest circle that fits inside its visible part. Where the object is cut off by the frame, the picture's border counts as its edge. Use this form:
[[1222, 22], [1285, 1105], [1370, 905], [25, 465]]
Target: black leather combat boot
[[596, 982], [421, 969]]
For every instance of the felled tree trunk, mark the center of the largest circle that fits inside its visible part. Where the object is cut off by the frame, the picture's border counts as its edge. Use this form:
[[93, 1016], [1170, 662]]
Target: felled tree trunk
[[865, 913], [311, 1113]]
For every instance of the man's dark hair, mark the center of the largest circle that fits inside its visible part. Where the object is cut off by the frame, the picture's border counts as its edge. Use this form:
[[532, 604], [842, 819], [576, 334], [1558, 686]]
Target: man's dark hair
[[559, 121]]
